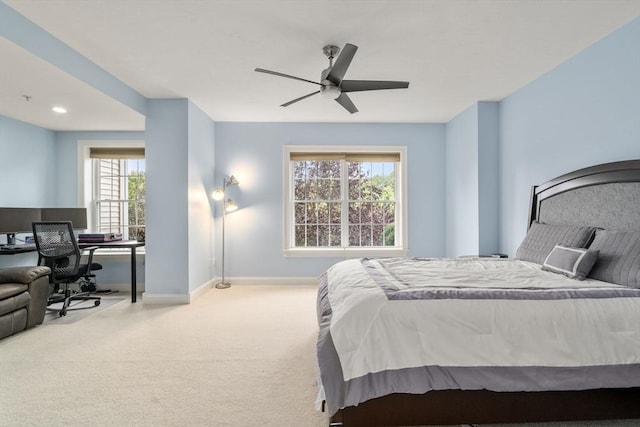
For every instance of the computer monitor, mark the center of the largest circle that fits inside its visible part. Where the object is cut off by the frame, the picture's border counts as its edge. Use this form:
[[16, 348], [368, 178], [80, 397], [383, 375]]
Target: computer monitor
[[17, 220], [77, 216]]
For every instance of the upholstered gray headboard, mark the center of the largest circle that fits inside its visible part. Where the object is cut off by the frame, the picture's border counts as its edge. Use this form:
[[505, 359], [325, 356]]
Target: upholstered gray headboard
[[606, 196]]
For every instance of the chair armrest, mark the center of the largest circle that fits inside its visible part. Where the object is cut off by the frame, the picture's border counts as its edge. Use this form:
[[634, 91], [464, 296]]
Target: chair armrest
[[24, 275], [91, 250]]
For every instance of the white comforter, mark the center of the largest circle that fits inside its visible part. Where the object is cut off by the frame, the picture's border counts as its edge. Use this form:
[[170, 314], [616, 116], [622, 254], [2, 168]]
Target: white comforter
[[372, 333]]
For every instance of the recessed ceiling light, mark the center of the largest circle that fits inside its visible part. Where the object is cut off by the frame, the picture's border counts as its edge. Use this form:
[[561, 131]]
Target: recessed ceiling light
[[59, 110]]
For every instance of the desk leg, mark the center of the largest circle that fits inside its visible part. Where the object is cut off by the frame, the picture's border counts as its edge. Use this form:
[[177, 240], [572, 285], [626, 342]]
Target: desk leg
[[134, 291]]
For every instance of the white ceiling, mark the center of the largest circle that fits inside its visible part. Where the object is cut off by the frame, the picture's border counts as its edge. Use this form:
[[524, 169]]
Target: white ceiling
[[453, 53]]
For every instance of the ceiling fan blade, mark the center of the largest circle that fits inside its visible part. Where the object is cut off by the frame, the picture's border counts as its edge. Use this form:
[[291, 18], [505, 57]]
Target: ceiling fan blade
[[299, 99], [345, 101], [275, 73], [360, 85], [342, 63]]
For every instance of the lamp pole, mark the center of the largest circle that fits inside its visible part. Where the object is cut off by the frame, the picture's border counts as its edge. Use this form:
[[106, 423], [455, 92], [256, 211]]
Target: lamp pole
[[227, 204], [222, 284]]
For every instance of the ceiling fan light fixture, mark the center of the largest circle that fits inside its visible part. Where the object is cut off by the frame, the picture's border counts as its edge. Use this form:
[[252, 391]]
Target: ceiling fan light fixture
[[330, 92]]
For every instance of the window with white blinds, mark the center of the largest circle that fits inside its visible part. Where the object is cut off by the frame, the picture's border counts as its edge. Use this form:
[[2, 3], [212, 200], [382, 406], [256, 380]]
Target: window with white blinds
[[349, 199], [119, 191]]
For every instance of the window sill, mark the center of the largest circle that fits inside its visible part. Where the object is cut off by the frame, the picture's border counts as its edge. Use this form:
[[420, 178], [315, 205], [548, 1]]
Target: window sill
[[344, 252]]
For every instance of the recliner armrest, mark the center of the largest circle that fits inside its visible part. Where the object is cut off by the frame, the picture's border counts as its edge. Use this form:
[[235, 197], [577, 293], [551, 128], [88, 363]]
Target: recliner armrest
[[24, 274]]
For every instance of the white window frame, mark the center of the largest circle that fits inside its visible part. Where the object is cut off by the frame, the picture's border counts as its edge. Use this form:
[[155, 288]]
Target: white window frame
[[399, 249], [86, 184]]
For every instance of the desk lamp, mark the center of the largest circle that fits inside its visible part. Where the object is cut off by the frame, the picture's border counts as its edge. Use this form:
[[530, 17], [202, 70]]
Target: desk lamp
[[228, 206]]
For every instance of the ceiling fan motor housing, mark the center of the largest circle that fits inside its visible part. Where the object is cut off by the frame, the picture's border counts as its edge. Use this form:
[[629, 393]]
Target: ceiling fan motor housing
[[329, 90]]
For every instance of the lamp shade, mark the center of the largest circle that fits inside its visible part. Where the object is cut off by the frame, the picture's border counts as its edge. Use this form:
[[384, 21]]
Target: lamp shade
[[232, 181], [231, 206], [217, 194]]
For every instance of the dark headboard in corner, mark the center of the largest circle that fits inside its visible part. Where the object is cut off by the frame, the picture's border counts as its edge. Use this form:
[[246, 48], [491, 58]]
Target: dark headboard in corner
[[606, 196]]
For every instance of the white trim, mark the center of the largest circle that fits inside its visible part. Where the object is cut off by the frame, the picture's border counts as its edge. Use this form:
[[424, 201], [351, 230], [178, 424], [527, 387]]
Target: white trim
[[271, 281], [401, 202], [156, 299], [346, 252], [172, 299]]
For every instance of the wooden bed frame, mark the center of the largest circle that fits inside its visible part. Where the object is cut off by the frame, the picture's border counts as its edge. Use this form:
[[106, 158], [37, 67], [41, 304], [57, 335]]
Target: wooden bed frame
[[452, 407]]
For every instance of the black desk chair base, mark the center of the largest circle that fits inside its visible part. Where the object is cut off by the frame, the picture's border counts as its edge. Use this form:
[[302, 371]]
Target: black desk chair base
[[67, 302], [58, 249]]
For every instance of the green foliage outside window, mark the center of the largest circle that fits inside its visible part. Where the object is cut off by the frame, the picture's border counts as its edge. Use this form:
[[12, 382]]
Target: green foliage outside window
[[136, 207], [318, 203]]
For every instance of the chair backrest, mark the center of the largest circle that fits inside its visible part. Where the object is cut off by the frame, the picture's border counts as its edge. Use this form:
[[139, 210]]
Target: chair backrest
[[57, 249]]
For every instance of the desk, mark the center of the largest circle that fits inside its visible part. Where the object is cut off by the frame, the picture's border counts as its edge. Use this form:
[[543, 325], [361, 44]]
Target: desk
[[17, 249], [119, 244], [116, 244]]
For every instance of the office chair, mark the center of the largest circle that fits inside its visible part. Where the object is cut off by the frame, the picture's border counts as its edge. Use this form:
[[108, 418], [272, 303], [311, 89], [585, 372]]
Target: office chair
[[58, 249]]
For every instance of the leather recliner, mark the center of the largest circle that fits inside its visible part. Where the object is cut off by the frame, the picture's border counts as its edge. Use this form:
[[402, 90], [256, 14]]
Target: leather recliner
[[23, 298]]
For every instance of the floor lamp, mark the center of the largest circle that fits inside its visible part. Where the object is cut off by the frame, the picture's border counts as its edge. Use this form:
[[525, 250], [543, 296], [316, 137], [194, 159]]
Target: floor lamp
[[227, 206]]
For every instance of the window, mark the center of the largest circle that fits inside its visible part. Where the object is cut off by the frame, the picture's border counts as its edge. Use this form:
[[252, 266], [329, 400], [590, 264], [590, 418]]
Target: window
[[349, 200], [115, 197]]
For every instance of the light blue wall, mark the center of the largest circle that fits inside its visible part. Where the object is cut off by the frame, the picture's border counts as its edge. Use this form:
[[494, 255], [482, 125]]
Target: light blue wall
[[462, 184], [167, 257], [27, 156], [253, 152], [472, 181], [584, 112], [488, 178], [200, 215]]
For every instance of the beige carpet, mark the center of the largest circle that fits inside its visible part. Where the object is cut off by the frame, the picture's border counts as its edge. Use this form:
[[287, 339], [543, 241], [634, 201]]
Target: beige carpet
[[243, 356], [78, 310]]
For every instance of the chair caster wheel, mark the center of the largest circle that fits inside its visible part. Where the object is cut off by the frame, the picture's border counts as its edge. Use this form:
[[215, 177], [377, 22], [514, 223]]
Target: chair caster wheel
[[96, 302], [63, 313]]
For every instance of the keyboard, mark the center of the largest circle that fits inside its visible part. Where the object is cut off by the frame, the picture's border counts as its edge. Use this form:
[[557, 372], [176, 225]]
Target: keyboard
[[18, 247]]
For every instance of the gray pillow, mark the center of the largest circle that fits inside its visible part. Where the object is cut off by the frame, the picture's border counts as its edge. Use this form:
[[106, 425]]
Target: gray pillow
[[542, 238], [619, 259], [575, 263]]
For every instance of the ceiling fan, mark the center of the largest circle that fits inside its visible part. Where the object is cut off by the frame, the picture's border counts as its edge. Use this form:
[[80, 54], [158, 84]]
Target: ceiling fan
[[332, 85]]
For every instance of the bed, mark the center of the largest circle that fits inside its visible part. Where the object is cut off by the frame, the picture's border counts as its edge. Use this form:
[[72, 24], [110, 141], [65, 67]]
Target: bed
[[551, 335]]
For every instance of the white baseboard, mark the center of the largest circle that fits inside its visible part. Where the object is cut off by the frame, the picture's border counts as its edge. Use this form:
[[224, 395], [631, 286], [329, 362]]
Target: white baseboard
[[242, 281], [148, 298], [172, 299]]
